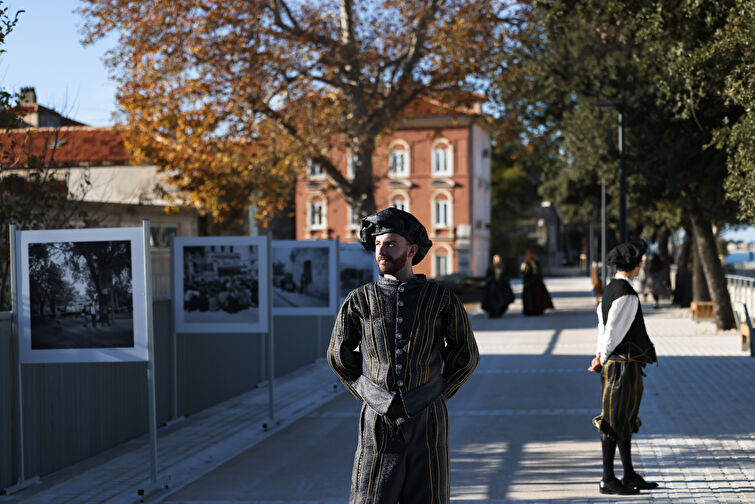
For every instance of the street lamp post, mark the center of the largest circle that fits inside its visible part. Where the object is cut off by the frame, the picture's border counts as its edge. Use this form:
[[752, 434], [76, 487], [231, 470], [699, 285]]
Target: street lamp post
[[622, 178], [622, 182], [603, 231]]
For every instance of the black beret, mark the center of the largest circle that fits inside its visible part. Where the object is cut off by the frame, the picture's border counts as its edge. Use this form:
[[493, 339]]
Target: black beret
[[627, 255], [393, 220]]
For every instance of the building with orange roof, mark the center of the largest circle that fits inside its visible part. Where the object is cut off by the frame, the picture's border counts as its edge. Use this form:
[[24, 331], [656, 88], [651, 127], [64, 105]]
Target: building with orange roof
[[436, 165], [96, 169]]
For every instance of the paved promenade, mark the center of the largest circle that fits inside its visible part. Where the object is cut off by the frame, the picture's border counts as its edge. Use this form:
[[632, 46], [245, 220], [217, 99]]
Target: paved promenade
[[520, 428]]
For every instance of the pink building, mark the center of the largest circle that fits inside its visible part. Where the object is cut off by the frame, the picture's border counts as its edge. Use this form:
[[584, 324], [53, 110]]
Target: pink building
[[435, 165]]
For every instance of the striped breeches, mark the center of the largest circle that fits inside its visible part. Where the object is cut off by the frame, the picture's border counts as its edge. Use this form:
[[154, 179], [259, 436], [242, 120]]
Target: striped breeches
[[407, 465], [620, 404]]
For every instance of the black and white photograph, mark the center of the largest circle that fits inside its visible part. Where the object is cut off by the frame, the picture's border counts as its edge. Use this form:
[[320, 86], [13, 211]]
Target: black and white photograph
[[81, 296], [304, 277], [356, 267], [222, 286]]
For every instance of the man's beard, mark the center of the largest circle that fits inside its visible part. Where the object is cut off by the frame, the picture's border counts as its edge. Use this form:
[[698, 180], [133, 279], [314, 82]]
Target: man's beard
[[393, 266]]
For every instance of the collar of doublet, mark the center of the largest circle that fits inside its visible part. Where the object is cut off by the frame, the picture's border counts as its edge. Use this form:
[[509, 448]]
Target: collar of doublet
[[622, 276], [392, 282]]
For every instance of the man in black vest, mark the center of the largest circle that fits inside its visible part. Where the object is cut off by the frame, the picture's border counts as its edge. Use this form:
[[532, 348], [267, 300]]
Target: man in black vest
[[403, 346], [624, 348]]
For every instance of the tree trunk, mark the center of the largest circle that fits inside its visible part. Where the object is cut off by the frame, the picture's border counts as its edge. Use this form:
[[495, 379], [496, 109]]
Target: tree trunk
[[683, 284], [714, 272], [361, 193], [699, 286]]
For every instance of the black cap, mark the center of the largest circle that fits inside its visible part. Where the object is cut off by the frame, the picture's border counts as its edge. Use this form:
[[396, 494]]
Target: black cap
[[627, 255], [393, 220]]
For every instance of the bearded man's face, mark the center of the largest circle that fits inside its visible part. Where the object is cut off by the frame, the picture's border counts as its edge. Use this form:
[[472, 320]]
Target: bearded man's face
[[391, 253]]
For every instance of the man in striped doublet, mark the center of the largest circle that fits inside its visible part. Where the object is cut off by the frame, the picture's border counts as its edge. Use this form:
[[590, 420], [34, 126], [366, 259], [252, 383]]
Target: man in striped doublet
[[624, 348], [402, 346]]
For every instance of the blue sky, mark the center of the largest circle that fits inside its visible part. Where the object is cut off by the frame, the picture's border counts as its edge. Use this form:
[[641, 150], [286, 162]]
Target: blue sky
[[745, 233], [44, 51]]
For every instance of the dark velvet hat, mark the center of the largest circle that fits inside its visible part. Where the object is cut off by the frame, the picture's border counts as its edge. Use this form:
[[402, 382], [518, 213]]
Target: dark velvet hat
[[393, 220], [627, 255]]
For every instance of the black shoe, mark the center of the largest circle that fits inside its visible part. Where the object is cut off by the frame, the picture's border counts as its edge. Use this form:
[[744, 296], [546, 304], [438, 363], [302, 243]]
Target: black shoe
[[639, 483], [614, 486]]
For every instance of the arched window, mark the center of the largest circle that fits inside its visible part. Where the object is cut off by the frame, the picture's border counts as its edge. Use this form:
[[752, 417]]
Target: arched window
[[400, 200], [442, 211], [314, 170], [354, 219], [317, 213], [442, 261], [399, 159], [442, 159]]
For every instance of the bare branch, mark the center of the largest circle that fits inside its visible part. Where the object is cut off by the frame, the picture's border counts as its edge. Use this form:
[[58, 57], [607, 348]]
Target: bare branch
[[347, 22], [414, 51], [294, 30]]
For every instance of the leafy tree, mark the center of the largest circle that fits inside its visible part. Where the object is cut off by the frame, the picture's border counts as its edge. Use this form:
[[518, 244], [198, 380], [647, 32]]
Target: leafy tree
[[724, 63], [46, 280], [231, 98], [101, 266], [577, 57], [515, 178]]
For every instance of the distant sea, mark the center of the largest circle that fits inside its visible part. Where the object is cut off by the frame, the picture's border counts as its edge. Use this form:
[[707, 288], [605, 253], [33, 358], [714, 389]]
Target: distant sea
[[740, 257], [741, 263]]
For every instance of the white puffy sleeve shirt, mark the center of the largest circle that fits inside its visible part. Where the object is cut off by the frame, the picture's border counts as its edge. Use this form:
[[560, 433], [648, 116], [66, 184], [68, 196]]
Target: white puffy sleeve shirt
[[620, 318]]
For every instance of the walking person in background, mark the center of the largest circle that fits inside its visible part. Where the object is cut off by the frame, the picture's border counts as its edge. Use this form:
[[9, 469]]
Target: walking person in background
[[535, 296], [643, 278], [93, 313], [658, 279], [624, 348], [403, 347], [597, 284], [498, 294]]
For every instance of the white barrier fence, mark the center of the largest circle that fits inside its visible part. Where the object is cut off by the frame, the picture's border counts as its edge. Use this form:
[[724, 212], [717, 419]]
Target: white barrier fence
[[742, 293], [742, 290]]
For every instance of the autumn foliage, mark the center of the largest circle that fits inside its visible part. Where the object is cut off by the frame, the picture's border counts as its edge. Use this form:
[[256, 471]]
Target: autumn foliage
[[232, 97]]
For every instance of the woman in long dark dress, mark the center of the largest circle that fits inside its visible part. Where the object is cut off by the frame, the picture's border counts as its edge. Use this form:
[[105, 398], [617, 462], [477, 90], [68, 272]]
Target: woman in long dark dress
[[535, 296], [658, 279], [498, 293]]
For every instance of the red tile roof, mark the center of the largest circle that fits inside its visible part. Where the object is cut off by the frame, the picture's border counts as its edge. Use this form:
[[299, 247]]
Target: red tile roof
[[429, 107], [96, 146], [65, 146]]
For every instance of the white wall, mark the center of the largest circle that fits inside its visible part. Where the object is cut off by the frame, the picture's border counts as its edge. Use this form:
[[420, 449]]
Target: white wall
[[481, 206], [118, 184]]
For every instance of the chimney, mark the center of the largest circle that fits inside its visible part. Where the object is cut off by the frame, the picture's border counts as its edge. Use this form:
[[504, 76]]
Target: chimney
[[27, 95]]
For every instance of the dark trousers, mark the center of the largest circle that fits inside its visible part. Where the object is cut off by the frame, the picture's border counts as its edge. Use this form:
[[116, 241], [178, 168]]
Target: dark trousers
[[407, 465]]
